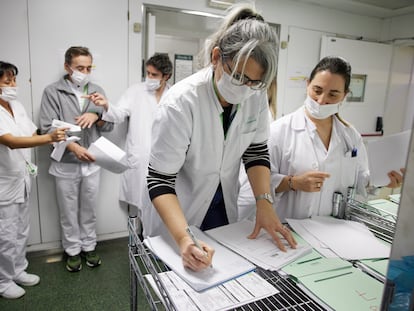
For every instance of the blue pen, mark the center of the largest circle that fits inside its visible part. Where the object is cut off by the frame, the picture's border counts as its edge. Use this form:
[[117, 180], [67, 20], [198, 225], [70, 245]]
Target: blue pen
[[354, 152]]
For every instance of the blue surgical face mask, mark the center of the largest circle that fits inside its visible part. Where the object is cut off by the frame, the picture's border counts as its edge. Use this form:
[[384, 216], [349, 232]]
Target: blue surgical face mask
[[8, 93], [234, 94], [318, 111]]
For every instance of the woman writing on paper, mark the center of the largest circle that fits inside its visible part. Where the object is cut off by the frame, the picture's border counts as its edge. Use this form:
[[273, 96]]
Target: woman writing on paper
[[206, 125], [314, 152]]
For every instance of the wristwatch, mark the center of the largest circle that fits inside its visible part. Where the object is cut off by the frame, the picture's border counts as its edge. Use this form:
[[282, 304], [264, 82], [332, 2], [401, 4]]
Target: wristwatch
[[265, 196]]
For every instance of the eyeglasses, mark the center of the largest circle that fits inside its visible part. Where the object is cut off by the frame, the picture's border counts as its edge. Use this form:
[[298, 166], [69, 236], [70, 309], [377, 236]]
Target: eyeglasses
[[240, 79]]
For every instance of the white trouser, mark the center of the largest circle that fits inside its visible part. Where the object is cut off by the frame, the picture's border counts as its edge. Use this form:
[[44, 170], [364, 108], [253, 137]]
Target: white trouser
[[14, 232], [77, 200]]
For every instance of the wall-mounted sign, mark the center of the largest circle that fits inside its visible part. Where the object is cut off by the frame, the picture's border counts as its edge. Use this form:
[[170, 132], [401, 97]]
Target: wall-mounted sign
[[357, 88], [183, 66]]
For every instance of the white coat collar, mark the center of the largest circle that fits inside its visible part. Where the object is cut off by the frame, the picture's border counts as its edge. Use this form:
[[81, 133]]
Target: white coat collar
[[299, 123]]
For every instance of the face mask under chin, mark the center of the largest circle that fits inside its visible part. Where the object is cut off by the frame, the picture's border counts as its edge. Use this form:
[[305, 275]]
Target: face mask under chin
[[318, 111]]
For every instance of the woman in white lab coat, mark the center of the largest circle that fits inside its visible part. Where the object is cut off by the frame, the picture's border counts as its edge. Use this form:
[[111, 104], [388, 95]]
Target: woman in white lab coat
[[314, 152], [17, 135], [206, 124], [138, 104]]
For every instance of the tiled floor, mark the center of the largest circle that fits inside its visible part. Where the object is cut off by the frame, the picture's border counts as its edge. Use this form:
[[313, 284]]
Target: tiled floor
[[103, 288]]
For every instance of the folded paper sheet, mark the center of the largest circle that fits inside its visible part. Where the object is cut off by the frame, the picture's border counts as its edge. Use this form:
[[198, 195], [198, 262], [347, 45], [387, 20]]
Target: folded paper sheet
[[71, 127], [60, 147], [108, 155]]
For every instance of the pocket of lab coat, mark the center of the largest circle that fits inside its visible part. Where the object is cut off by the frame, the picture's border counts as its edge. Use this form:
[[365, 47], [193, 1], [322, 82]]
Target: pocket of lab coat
[[349, 170], [11, 184]]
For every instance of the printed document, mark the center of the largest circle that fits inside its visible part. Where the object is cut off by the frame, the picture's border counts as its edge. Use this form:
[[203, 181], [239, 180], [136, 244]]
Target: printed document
[[262, 251], [227, 296], [387, 154], [226, 264], [108, 155]]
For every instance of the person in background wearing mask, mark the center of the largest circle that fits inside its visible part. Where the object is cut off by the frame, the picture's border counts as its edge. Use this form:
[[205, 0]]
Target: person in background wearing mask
[[17, 135], [72, 99], [139, 104], [314, 152], [205, 126]]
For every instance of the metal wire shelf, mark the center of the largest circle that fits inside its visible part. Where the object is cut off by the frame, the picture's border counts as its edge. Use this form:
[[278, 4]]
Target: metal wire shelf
[[381, 223], [143, 262]]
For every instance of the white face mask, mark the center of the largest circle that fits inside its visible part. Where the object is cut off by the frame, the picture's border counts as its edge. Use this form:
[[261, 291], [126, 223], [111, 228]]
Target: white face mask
[[152, 84], [79, 78], [320, 111], [233, 94], [8, 93]]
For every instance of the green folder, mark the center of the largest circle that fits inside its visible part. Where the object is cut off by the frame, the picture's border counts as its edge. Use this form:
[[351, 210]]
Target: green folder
[[304, 267], [345, 289]]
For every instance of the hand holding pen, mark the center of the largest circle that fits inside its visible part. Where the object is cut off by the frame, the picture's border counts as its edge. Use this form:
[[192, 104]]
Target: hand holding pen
[[97, 99], [196, 255]]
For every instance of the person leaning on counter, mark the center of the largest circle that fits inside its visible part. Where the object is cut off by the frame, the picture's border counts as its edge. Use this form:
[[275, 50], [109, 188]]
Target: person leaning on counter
[[314, 152], [206, 125]]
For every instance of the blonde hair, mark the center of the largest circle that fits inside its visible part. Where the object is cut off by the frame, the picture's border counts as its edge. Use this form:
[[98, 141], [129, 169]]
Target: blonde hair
[[271, 95]]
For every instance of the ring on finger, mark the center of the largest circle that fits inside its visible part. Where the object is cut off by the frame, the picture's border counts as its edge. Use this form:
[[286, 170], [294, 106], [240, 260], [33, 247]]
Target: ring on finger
[[318, 185]]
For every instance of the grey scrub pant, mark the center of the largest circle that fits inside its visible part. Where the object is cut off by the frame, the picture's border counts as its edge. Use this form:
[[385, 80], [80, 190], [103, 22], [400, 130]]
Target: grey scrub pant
[[14, 232], [77, 200]]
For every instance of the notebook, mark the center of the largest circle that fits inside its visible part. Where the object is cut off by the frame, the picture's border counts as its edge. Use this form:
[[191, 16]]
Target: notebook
[[226, 264]]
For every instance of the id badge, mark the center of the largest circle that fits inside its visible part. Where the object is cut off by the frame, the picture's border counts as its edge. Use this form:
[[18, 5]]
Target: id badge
[[31, 168]]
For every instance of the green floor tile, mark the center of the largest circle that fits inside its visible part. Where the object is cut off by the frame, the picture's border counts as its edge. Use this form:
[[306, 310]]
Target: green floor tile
[[103, 288]]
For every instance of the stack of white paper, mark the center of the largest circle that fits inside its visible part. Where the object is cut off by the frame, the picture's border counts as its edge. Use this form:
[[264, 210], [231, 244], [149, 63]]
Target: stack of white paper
[[387, 154], [232, 294], [62, 124], [262, 251], [226, 264], [60, 147], [347, 239], [108, 155]]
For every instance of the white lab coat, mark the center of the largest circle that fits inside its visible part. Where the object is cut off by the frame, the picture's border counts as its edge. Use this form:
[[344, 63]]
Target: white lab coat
[[188, 138], [14, 178], [246, 202], [139, 105], [14, 195], [296, 148]]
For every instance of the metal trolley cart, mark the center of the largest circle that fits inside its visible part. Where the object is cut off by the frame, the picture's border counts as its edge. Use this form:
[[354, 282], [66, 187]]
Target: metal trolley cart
[[143, 262], [381, 223]]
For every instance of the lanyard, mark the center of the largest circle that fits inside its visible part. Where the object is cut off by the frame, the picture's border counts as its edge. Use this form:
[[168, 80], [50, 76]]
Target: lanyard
[[84, 100]]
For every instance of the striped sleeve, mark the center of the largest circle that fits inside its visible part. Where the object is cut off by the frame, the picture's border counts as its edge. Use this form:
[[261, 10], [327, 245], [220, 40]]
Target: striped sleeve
[[160, 183], [256, 154]]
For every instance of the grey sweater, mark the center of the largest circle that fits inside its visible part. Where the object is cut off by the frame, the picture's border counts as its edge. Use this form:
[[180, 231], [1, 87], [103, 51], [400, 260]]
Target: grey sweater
[[59, 102]]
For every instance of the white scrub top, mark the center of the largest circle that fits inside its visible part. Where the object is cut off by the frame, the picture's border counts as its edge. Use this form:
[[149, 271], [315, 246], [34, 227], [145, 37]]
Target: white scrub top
[[14, 178], [295, 148], [188, 138], [139, 104]]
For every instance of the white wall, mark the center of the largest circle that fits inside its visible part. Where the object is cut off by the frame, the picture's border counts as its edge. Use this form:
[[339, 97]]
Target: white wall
[[35, 33]]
